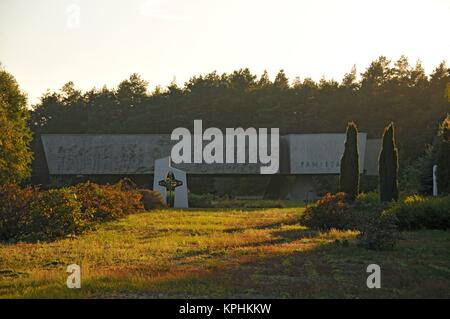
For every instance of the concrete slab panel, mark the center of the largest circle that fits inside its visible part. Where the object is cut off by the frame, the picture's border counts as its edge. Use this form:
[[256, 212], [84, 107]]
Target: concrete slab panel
[[320, 153], [122, 154]]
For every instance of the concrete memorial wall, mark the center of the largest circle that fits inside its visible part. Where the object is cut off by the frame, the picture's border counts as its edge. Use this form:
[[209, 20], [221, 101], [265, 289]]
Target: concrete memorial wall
[[129, 154], [320, 153], [122, 154], [103, 154]]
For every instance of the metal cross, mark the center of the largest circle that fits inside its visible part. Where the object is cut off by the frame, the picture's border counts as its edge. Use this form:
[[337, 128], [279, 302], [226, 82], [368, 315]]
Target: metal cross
[[170, 183]]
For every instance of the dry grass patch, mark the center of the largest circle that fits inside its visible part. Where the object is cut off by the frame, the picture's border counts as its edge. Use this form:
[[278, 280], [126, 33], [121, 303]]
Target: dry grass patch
[[228, 253]]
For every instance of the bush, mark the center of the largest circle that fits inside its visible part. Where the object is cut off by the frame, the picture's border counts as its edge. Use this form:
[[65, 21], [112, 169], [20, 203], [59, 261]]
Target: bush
[[30, 214], [126, 185], [106, 202], [379, 233], [14, 210], [418, 212], [331, 211], [152, 199], [54, 213], [368, 199], [335, 211]]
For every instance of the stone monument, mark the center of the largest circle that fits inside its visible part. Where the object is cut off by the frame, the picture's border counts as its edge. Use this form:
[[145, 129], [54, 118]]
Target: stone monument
[[171, 183]]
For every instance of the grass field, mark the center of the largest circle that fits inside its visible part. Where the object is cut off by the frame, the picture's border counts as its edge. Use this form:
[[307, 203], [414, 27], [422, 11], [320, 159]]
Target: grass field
[[215, 254]]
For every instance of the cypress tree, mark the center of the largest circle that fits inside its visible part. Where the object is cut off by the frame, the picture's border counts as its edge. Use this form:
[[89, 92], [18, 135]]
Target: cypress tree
[[349, 177], [388, 166]]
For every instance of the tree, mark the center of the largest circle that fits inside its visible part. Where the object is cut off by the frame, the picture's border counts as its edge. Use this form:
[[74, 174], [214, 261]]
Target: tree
[[133, 90], [388, 166], [377, 74], [349, 177], [264, 81], [349, 80], [443, 157], [15, 137], [384, 90], [281, 81]]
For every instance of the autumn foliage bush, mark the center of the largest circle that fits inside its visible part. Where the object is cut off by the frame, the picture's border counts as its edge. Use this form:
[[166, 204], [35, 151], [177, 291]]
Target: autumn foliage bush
[[30, 214], [54, 213], [330, 211], [106, 202], [14, 210]]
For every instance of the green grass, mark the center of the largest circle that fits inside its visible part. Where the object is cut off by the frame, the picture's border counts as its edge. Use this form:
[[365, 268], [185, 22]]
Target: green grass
[[224, 254]]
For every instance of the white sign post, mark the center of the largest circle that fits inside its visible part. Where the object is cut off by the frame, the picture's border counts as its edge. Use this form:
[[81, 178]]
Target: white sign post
[[435, 187]]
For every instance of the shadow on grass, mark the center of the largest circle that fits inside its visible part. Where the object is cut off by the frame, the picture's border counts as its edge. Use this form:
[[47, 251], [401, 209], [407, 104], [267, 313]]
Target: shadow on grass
[[289, 222], [319, 268], [290, 262]]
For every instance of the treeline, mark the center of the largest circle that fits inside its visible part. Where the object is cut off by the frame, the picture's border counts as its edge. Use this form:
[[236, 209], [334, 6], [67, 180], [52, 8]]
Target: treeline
[[386, 91]]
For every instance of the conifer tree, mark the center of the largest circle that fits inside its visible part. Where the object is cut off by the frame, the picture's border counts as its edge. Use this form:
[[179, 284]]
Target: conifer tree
[[349, 177], [388, 166]]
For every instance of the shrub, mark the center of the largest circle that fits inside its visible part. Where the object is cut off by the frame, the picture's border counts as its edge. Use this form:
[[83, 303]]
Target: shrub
[[417, 212], [335, 211], [54, 213], [370, 199], [14, 210], [30, 214], [379, 233], [331, 211], [126, 185], [129, 202], [96, 203], [152, 199], [106, 202]]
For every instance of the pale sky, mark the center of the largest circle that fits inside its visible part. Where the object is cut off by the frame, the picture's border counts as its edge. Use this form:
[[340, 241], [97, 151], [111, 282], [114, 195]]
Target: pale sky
[[42, 45]]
